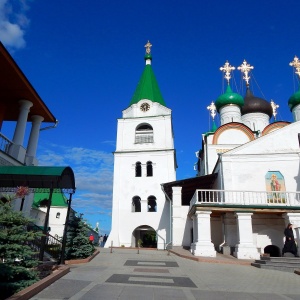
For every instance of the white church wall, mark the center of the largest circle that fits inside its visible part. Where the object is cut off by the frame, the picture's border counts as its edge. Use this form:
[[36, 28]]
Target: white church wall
[[161, 125], [182, 226], [268, 230]]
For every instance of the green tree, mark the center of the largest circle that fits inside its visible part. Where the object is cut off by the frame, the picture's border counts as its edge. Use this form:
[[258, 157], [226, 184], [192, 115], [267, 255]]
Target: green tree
[[17, 260], [78, 244]]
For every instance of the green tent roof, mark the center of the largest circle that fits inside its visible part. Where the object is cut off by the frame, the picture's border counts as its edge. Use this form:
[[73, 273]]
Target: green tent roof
[[37, 177], [58, 199], [147, 87]]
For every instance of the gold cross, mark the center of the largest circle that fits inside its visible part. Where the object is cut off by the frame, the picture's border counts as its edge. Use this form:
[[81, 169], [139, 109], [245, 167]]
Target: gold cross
[[296, 64], [227, 68], [148, 47], [245, 68]]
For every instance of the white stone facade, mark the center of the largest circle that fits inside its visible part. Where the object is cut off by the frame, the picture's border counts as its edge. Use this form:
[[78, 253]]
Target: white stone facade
[[153, 146]]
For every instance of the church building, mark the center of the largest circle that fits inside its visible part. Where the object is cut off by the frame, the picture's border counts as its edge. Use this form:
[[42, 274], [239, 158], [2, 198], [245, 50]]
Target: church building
[[246, 189]]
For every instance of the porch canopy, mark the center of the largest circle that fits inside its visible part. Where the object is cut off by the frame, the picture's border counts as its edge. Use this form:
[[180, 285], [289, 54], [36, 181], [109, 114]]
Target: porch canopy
[[189, 186], [38, 177]]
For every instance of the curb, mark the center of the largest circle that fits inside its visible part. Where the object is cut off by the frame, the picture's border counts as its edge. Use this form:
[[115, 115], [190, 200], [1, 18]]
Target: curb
[[82, 261], [37, 287]]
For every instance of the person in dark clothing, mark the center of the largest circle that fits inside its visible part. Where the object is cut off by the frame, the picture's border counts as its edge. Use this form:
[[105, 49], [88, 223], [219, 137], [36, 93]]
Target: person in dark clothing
[[289, 244], [104, 239]]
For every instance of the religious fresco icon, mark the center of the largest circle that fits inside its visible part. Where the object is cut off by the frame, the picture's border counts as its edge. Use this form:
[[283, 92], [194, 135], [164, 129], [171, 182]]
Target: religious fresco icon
[[275, 187]]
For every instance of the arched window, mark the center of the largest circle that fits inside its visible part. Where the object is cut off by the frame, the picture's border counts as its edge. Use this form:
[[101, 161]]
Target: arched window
[[149, 169], [138, 169], [136, 204], [152, 207], [144, 134]]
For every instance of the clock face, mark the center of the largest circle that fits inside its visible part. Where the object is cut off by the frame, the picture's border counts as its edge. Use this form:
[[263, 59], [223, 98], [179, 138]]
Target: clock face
[[145, 107]]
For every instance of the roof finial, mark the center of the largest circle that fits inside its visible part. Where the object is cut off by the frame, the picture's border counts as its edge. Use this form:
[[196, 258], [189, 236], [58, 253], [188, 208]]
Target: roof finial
[[274, 108], [212, 109], [148, 47], [245, 68], [227, 68], [296, 64]]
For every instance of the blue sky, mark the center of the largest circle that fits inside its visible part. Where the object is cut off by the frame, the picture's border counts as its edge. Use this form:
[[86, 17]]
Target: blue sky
[[85, 58]]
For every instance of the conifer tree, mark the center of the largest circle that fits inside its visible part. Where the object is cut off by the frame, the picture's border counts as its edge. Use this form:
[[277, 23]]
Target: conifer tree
[[16, 256], [78, 244]]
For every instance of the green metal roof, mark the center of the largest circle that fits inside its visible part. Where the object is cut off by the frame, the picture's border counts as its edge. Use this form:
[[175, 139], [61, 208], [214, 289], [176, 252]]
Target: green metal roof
[[294, 100], [229, 98], [147, 87], [37, 177], [58, 199]]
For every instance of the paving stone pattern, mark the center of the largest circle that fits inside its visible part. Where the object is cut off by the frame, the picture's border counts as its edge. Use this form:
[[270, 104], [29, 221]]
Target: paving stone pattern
[[151, 274]]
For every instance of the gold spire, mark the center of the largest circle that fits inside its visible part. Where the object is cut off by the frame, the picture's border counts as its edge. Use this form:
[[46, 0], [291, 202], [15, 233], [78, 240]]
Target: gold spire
[[296, 64], [227, 68], [212, 109], [245, 68], [148, 47], [274, 108]]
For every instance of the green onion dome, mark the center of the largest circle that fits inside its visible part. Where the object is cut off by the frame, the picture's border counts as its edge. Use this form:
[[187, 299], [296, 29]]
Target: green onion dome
[[294, 100], [229, 98]]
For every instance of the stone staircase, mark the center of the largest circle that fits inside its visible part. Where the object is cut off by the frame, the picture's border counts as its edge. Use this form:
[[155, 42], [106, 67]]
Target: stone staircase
[[286, 264]]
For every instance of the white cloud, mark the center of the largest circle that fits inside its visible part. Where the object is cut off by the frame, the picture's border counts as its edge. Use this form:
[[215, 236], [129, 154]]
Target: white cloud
[[13, 22], [93, 171]]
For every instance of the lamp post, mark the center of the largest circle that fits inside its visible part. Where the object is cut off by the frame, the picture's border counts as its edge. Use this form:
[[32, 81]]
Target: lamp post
[[64, 240]]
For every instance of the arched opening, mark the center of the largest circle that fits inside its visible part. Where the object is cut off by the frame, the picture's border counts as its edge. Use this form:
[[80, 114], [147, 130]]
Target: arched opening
[[144, 134], [136, 204], [144, 236], [138, 169], [274, 251], [152, 207], [149, 169]]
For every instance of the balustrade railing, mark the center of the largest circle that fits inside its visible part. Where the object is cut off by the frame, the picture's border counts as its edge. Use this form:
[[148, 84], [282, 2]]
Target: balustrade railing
[[52, 244], [223, 197], [4, 143]]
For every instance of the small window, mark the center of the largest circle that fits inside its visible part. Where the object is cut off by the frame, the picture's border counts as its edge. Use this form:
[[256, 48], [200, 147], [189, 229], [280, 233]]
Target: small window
[[149, 169], [152, 207], [58, 215], [138, 169], [136, 204]]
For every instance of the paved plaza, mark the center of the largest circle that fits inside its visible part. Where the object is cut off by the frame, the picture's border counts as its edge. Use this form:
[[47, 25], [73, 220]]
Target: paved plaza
[[151, 274]]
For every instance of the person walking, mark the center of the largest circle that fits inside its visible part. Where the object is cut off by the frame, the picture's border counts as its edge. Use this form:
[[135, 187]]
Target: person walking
[[289, 244], [104, 239]]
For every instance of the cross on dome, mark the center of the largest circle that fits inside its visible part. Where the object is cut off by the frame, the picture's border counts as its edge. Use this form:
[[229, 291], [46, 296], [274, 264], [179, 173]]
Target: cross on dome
[[227, 68], [245, 68], [274, 108], [212, 108], [148, 47], [296, 64]]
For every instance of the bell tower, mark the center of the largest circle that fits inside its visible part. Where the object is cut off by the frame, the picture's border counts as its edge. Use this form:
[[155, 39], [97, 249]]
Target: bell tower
[[143, 160]]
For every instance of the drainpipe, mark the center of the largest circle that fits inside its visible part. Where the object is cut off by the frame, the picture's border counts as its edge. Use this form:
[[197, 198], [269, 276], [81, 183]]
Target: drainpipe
[[171, 213], [50, 127]]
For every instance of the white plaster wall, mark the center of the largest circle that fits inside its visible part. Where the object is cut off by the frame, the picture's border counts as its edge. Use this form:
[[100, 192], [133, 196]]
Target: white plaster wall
[[245, 167], [296, 113], [230, 113], [126, 185], [256, 121], [182, 226], [161, 134]]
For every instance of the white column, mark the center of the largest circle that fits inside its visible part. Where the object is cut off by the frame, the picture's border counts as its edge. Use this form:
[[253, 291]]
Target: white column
[[230, 113], [17, 150], [33, 138], [22, 120], [245, 249], [203, 246], [296, 113], [178, 218]]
